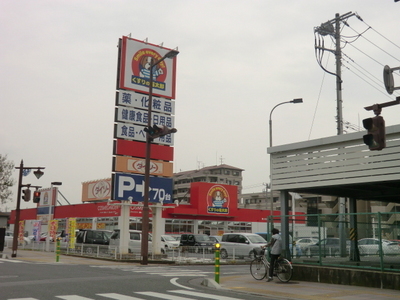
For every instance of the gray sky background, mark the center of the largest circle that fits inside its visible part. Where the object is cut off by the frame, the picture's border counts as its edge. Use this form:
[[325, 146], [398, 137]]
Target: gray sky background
[[238, 59]]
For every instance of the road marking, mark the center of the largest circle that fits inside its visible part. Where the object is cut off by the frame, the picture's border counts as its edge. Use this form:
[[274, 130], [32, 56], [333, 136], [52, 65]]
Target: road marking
[[173, 281], [162, 271], [13, 261], [164, 296], [208, 296], [157, 295], [73, 297], [23, 299], [118, 296]]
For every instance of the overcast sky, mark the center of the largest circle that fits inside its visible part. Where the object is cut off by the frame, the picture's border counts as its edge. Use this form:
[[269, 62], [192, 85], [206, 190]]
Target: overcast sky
[[238, 59]]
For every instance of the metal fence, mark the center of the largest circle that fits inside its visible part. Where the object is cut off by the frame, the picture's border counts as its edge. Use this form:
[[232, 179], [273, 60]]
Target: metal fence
[[373, 242], [316, 239]]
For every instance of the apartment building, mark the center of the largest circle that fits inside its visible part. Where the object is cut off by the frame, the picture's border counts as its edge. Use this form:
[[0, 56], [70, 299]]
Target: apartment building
[[222, 174]]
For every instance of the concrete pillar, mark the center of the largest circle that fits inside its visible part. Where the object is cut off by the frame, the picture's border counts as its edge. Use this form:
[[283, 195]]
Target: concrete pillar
[[123, 225], [94, 223], [158, 228]]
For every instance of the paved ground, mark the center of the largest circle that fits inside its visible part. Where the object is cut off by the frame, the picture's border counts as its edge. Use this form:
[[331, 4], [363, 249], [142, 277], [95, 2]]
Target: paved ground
[[291, 290]]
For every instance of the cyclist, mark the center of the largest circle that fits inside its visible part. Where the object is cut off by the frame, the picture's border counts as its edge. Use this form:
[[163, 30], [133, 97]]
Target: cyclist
[[276, 250]]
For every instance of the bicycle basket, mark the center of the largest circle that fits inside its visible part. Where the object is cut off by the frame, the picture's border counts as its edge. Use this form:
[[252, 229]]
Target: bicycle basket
[[258, 251]]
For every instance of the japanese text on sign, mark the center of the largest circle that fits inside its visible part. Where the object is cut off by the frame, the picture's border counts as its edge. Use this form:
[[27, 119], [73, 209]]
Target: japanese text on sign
[[138, 100]]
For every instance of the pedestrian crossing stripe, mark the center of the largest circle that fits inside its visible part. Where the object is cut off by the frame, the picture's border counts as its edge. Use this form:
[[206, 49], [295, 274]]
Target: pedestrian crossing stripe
[[12, 261], [118, 296], [169, 295], [197, 294], [162, 271]]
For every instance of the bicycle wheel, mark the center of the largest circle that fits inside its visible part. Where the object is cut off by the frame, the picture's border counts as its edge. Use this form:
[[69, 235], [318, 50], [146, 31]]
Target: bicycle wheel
[[284, 270], [258, 269]]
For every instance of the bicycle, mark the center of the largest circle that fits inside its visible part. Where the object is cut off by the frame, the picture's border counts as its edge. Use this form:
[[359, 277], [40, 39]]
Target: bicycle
[[260, 265]]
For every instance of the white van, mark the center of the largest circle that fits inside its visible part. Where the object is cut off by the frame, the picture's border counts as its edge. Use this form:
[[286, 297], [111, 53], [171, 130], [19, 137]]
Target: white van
[[240, 244], [135, 240]]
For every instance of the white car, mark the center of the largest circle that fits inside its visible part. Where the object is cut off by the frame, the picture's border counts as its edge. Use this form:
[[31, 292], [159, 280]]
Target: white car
[[370, 246], [9, 240], [240, 244], [304, 242], [169, 243], [135, 241]]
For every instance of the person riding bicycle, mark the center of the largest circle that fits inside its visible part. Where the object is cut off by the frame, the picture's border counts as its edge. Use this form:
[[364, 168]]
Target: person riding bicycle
[[276, 250]]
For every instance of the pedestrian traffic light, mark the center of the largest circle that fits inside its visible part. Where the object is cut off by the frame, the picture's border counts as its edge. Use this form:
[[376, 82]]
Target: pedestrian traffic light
[[157, 131], [375, 139], [36, 197], [26, 195]]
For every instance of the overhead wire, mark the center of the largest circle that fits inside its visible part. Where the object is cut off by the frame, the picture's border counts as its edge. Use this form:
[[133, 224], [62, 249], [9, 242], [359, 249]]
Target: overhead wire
[[371, 78], [394, 44], [355, 68], [319, 97]]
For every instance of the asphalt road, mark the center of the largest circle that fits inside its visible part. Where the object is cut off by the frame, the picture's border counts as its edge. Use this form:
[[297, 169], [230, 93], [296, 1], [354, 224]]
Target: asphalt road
[[32, 280]]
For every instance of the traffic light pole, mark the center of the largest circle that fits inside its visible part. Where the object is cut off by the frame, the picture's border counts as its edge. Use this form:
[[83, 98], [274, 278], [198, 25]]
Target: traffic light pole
[[382, 105], [38, 174], [17, 212], [145, 212]]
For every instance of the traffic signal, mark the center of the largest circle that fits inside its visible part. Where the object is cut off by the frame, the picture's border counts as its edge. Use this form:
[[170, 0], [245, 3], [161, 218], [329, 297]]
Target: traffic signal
[[26, 195], [36, 197], [159, 131], [375, 139]]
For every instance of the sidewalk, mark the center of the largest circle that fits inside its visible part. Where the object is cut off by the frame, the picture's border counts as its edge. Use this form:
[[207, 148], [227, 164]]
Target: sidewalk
[[291, 290], [50, 257], [306, 290]]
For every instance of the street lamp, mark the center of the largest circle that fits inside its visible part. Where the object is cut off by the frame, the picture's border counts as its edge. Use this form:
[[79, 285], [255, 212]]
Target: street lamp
[[49, 218], [297, 100], [38, 173], [145, 213]]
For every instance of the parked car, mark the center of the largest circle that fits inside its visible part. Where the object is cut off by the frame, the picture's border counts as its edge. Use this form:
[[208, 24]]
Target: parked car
[[9, 236], [135, 241], [305, 241], [240, 244], [197, 242], [215, 238], [169, 243], [298, 252], [370, 246], [328, 246], [92, 236]]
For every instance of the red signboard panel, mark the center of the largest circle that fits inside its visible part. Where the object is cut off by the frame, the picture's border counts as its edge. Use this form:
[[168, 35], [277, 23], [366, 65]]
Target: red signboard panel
[[138, 149]]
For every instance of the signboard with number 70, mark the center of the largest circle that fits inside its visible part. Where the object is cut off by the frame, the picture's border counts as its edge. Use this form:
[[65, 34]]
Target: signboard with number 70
[[130, 187]]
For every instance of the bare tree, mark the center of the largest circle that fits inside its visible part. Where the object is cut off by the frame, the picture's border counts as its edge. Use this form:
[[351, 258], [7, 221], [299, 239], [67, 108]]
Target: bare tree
[[6, 180]]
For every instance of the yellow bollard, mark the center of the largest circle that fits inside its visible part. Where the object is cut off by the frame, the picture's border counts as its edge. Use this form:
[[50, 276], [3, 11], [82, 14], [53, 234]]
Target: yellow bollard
[[217, 250], [58, 250]]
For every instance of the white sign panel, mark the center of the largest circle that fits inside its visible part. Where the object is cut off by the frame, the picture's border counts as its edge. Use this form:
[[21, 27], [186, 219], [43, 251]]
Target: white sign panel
[[139, 116], [138, 100], [136, 133]]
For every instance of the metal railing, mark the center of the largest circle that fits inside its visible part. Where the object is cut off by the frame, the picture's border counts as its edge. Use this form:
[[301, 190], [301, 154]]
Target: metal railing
[[374, 243]]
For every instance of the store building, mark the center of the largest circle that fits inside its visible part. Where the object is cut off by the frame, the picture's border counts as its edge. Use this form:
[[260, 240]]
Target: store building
[[213, 209]]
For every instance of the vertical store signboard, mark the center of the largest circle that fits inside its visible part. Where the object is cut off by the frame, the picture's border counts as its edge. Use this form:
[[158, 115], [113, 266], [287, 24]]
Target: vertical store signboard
[[131, 117]]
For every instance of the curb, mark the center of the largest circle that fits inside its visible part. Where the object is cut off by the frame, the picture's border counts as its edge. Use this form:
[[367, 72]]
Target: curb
[[211, 283]]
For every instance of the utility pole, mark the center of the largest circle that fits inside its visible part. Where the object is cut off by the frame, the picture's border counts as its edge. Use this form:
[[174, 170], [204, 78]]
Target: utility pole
[[338, 58], [332, 27]]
